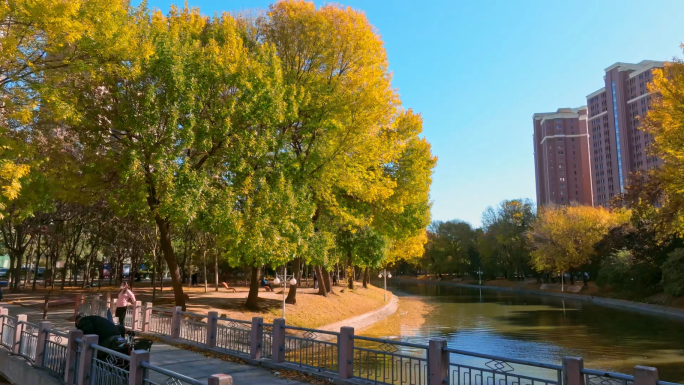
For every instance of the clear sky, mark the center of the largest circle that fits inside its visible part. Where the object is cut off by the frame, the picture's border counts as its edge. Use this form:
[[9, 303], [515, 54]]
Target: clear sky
[[478, 70]]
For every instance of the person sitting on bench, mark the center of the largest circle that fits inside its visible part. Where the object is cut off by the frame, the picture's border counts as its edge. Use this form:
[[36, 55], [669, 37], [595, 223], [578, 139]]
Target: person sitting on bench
[[265, 284]]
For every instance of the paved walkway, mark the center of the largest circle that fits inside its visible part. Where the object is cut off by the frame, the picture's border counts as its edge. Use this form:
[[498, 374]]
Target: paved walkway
[[199, 367], [188, 363]]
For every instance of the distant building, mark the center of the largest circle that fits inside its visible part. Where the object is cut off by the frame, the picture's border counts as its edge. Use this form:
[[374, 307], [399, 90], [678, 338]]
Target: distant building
[[561, 156], [618, 147]]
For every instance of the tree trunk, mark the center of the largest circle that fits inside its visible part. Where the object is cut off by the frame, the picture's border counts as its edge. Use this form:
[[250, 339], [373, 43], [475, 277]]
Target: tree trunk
[[322, 290], [350, 271], [35, 272], [292, 294], [326, 279], [164, 227], [216, 277], [253, 297], [366, 278], [16, 276], [206, 286], [155, 272]]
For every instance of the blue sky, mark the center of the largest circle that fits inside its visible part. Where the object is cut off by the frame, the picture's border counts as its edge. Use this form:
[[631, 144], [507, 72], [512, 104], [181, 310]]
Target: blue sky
[[478, 70]]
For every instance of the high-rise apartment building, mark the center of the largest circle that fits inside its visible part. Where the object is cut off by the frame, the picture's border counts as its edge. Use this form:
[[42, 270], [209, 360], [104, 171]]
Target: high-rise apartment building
[[618, 146], [561, 155]]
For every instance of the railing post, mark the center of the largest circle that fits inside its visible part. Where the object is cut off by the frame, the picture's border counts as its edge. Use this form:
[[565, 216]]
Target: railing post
[[85, 359], [3, 320], [278, 354], [146, 317], [438, 361], [645, 375], [77, 303], [72, 349], [176, 322], [18, 328], [572, 371], [212, 329], [43, 327], [220, 379], [255, 338], [345, 352], [135, 317], [135, 374]]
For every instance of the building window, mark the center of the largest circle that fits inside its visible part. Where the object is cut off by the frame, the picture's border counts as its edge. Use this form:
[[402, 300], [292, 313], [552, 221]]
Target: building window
[[560, 152], [562, 179], [560, 139]]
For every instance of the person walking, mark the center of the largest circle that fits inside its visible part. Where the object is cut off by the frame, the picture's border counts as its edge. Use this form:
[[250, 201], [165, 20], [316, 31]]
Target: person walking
[[124, 298]]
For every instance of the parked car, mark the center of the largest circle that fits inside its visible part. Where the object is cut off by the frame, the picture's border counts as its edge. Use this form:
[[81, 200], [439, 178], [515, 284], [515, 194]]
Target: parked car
[[4, 272]]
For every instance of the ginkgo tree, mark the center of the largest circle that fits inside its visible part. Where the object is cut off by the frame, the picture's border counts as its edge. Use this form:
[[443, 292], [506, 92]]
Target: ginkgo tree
[[182, 113], [563, 238]]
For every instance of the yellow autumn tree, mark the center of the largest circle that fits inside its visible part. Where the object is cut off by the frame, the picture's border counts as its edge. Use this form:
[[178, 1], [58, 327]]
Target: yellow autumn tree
[[40, 37], [562, 238], [665, 122]]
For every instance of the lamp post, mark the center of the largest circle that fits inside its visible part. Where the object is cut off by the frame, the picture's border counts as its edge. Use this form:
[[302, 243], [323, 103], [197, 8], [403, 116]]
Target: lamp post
[[479, 274], [284, 280], [384, 273]]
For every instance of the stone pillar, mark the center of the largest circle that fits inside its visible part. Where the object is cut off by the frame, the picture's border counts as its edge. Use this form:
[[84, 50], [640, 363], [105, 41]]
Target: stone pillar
[[256, 337], [135, 376], [278, 354], [176, 322], [212, 329], [146, 317], [135, 318], [83, 373], [72, 349], [220, 379], [77, 303], [18, 328], [572, 371], [345, 355], [43, 327], [645, 375], [438, 361]]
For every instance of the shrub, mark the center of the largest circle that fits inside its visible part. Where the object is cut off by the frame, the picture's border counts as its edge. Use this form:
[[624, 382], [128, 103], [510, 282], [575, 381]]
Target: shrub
[[673, 273], [624, 273]]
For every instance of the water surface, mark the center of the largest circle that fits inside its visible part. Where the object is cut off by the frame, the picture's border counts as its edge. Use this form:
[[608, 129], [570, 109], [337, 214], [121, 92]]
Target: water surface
[[545, 329]]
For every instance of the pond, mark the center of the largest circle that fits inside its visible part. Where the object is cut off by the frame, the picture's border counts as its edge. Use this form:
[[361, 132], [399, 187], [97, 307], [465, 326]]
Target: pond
[[538, 328]]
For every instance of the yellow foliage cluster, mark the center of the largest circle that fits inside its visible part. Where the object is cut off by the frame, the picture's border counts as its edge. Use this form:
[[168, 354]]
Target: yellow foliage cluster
[[563, 237]]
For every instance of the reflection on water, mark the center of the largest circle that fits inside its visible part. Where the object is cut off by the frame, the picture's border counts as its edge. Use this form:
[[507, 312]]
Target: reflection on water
[[545, 329]]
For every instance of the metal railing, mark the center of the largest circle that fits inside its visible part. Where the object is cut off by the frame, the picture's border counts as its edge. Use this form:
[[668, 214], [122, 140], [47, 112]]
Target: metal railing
[[55, 351], [597, 377], [233, 335], [160, 322], [390, 362], [108, 366], [266, 340], [191, 330], [467, 368], [312, 348], [28, 340], [8, 327], [154, 375]]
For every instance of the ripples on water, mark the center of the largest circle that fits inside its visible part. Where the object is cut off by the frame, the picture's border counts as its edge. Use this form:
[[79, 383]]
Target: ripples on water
[[545, 329]]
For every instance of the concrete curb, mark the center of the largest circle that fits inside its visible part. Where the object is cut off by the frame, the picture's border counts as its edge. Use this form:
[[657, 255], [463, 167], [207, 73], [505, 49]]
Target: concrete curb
[[608, 302], [366, 319]]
